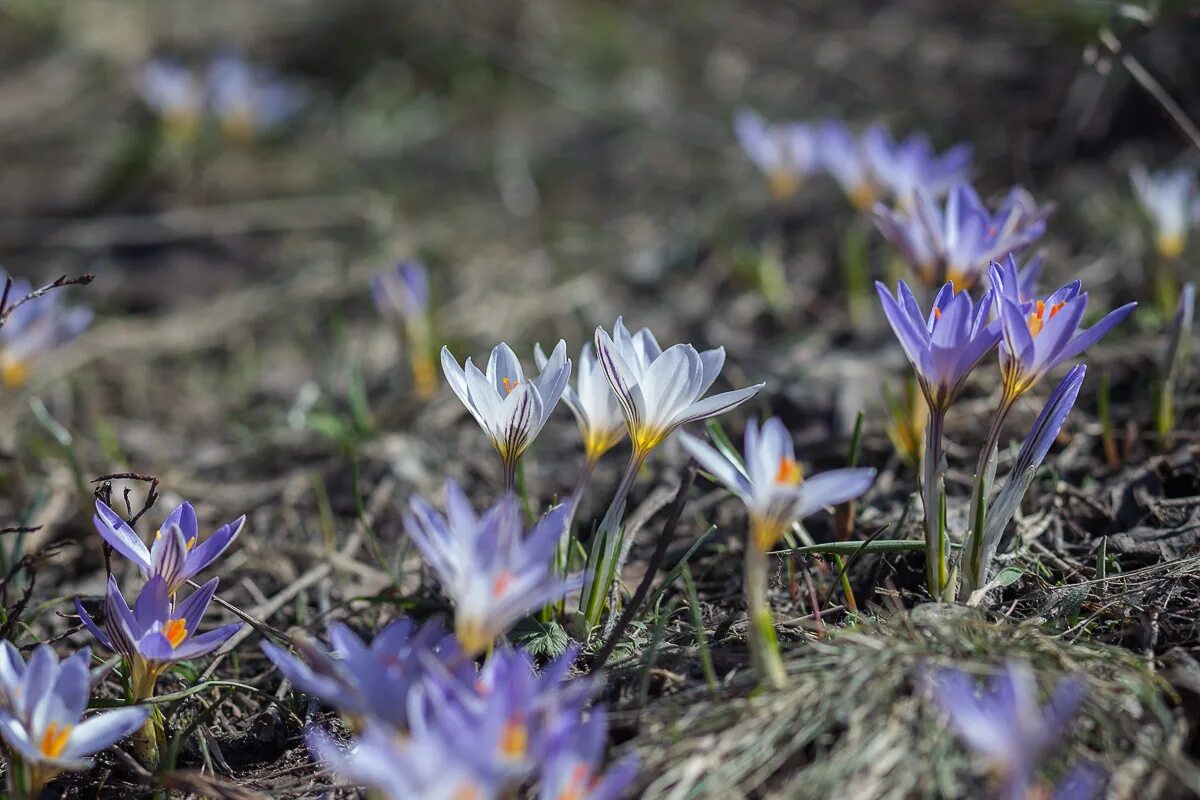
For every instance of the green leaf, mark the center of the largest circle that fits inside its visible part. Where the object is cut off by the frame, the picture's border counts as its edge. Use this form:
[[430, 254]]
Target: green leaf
[[541, 638], [1008, 576]]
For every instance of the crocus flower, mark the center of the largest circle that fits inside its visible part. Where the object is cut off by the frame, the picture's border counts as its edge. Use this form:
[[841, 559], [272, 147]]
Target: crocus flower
[[572, 768], [1167, 197], [945, 346], [901, 168], [375, 680], [41, 707], [958, 242], [1004, 725], [845, 158], [593, 403], [34, 328], [1039, 336], [402, 295], [510, 409], [177, 554], [660, 390], [174, 94], [155, 633], [785, 152], [249, 100], [772, 482], [493, 573]]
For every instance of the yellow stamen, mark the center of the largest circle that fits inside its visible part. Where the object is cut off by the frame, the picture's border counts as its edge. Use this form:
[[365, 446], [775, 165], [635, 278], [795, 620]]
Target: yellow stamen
[[789, 472], [514, 740], [862, 196], [1037, 319], [13, 373], [958, 280], [510, 385], [175, 631], [1170, 245], [783, 183], [55, 739]]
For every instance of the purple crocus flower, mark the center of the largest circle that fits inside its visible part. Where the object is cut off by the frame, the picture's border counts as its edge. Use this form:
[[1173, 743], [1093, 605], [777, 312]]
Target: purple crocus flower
[[786, 152], [945, 346], [493, 573], [174, 93], [772, 483], [41, 707], [958, 242], [571, 770], [844, 157], [375, 680], [1004, 724], [1039, 336], [1168, 197], [156, 632], [177, 553], [901, 168], [34, 329], [403, 291], [248, 99]]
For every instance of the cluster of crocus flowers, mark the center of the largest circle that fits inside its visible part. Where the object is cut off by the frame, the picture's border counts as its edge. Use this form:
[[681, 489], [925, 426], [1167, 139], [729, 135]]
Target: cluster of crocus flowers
[[902, 167], [245, 99], [1005, 727], [42, 705], [776, 493], [658, 392], [402, 296], [494, 573], [510, 408], [944, 348], [430, 724], [158, 629], [34, 328]]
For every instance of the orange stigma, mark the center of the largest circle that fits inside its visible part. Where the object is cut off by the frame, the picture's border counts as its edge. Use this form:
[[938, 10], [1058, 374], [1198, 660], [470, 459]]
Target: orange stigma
[[509, 385], [1037, 319], [514, 740], [789, 472], [501, 583], [54, 740], [176, 631], [937, 313]]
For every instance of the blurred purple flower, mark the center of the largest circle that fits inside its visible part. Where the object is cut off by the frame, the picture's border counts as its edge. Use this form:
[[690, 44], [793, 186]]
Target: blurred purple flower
[[493, 573], [946, 346], [901, 168], [174, 93], [571, 769], [373, 680], [844, 157], [41, 705], [155, 633], [957, 243], [34, 329], [1004, 724], [177, 553], [248, 99], [786, 152], [1170, 200], [402, 292], [772, 484]]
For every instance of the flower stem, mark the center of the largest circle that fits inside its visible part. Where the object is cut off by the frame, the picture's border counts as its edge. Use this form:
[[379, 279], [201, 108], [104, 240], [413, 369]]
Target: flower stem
[[606, 545], [973, 573], [933, 492], [764, 645], [510, 475]]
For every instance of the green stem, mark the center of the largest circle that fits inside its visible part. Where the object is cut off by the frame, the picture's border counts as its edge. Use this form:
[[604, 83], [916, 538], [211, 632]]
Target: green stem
[[973, 577], [933, 493], [606, 545], [764, 644]]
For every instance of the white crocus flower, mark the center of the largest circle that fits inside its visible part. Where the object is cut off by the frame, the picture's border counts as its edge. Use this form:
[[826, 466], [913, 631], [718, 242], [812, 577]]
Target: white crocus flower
[[510, 408], [1167, 197], [593, 403]]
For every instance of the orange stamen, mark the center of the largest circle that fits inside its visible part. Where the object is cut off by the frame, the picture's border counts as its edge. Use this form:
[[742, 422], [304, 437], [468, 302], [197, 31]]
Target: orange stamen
[[176, 631], [1037, 319], [54, 740], [789, 472], [510, 385], [937, 313], [501, 583], [514, 740]]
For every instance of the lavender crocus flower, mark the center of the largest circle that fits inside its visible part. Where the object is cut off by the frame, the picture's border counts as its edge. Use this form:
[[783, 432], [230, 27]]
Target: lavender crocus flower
[[1039, 336], [1167, 197], [785, 152], [844, 157], [1004, 725], [34, 328], [156, 632], [493, 573], [772, 483], [402, 295], [593, 403], [958, 242], [249, 100], [41, 707], [510, 409], [901, 168], [174, 93], [945, 346], [375, 680], [571, 770], [177, 554]]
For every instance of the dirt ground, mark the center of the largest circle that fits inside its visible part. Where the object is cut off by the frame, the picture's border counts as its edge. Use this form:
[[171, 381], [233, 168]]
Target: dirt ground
[[557, 164]]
